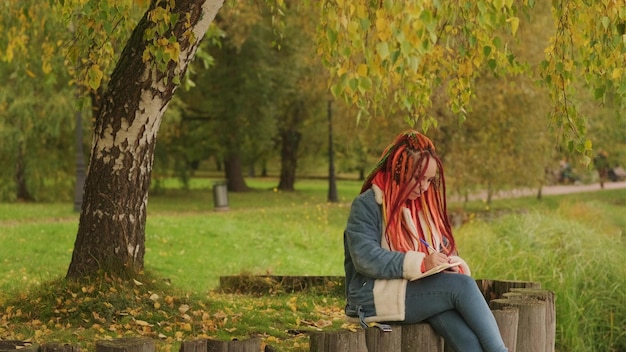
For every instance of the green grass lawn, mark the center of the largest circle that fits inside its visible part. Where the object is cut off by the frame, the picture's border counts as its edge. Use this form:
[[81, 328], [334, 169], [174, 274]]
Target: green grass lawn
[[574, 245]]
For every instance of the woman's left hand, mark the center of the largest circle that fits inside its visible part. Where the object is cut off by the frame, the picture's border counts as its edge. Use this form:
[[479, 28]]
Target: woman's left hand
[[454, 269]]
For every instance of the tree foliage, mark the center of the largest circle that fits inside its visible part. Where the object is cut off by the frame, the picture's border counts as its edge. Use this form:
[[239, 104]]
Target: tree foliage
[[34, 103], [386, 56]]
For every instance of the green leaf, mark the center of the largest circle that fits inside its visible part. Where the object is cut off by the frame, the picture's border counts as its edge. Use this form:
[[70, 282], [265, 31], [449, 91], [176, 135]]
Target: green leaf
[[174, 19], [353, 84], [606, 22], [598, 93], [365, 84], [331, 35], [336, 90], [383, 50]]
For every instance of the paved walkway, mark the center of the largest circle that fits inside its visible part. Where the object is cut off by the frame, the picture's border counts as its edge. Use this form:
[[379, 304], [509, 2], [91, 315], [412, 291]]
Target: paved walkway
[[549, 190]]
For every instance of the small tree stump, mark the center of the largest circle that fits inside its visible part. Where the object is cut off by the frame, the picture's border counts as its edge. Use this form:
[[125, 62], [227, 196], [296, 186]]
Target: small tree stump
[[494, 289], [129, 344], [531, 332], [23, 346], [57, 347], [250, 345], [507, 320], [342, 340], [194, 346], [550, 299], [421, 337], [384, 341]]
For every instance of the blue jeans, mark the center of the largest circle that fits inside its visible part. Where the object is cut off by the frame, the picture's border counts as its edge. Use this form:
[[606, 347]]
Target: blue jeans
[[455, 308]]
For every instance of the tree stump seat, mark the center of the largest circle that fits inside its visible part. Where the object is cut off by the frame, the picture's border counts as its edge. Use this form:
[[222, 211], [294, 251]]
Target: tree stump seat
[[401, 338]]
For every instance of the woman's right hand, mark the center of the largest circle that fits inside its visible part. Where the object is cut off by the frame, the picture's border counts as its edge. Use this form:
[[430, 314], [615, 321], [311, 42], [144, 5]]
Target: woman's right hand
[[434, 259]]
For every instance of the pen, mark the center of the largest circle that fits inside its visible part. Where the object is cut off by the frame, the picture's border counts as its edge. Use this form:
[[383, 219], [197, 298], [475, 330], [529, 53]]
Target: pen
[[427, 245]]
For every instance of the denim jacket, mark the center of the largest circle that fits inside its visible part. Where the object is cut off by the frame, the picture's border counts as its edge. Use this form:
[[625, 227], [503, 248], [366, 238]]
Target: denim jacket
[[376, 277]]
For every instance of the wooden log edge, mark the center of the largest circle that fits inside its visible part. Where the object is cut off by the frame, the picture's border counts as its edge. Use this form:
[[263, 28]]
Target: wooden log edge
[[272, 284]]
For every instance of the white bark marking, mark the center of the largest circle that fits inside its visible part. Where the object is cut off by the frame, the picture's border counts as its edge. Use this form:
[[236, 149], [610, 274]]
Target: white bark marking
[[151, 106], [209, 11], [131, 251]]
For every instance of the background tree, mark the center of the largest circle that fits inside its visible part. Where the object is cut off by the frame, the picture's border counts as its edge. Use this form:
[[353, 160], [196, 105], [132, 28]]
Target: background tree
[[300, 92], [232, 99], [35, 104]]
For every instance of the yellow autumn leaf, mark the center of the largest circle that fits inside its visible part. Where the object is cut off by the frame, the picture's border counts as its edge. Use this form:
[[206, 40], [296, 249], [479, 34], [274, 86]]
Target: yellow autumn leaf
[[162, 41], [95, 76], [146, 56], [514, 24], [271, 339], [382, 29], [617, 73], [362, 70], [361, 11], [9, 53], [173, 50], [342, 70], [30, 73], [183, 308]]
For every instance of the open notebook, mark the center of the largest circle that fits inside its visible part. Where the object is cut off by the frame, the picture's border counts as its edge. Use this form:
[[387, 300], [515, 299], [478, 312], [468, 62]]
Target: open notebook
[[437, 269]]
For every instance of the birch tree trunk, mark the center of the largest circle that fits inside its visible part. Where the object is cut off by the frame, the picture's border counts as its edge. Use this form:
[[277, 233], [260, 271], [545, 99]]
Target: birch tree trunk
[[111, 231]]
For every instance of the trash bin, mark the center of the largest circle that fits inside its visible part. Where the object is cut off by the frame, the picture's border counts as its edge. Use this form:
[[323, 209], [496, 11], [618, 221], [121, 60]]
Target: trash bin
[[220, 196]]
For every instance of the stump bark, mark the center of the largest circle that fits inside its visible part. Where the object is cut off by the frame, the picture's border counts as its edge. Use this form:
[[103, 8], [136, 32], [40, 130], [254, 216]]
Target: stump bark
[[494, 289], [57, 347], [13, 345], [508, 320], [531, 332], [384, 341], [250, 345], [130, 344], [194, 346], [421, 337], [343, 340], [550, 298]]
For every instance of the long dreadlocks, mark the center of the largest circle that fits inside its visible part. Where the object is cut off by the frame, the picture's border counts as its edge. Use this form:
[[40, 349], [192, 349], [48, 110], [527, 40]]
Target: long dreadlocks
[[406, 158]]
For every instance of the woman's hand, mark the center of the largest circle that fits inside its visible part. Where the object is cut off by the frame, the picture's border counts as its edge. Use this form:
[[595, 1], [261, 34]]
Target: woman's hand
[[454, 269], [434, 259]]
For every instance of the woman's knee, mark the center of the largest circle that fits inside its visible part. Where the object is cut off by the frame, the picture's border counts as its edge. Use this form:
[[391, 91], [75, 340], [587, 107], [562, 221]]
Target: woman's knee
[[462, 281]]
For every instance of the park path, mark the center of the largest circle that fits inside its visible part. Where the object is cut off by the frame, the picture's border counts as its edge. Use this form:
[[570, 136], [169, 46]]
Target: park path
[[548, 190]]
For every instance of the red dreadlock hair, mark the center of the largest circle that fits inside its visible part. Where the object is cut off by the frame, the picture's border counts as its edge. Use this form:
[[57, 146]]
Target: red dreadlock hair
[[403, 160]]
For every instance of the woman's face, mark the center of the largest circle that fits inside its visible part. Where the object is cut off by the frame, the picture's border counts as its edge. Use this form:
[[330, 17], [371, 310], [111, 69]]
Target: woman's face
[[424, 182]]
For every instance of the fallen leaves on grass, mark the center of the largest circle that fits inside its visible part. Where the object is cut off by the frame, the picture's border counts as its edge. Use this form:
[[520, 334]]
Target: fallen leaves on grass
[[109, 308]]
